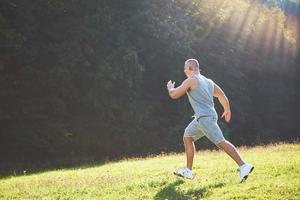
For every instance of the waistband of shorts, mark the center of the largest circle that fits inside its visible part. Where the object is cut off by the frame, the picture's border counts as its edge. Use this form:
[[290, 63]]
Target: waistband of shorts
[[197, 118]]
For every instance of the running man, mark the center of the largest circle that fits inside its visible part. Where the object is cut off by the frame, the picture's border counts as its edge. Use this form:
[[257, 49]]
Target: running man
[[200, 91]]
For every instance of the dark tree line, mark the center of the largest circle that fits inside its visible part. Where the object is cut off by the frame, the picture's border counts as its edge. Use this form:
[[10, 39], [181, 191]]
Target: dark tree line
[[85, 80]]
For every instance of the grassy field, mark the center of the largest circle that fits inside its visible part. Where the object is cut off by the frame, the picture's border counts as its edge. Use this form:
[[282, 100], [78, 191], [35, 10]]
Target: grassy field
[[276, 176]]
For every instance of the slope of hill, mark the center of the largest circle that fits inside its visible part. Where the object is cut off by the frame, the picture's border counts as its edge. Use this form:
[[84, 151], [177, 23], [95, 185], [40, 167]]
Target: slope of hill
[[276, 176]]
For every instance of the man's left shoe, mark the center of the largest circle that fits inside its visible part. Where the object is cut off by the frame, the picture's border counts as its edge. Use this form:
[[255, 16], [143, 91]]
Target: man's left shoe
[[245, 170]]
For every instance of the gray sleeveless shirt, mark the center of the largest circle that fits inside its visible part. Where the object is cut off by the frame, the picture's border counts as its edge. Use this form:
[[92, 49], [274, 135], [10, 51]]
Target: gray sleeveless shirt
[[201, 97]]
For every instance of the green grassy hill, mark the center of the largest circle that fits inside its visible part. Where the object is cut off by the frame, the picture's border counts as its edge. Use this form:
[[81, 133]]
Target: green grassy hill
[[276, 176]]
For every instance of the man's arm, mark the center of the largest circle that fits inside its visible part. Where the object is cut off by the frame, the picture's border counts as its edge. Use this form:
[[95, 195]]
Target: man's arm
[[218, 92], [176, 93]]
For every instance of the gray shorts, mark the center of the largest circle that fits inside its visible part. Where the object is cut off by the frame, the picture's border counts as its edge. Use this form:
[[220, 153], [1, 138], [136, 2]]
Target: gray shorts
[[205, 126]]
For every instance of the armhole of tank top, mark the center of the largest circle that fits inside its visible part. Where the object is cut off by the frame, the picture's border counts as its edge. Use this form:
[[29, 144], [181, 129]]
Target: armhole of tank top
[[212, 85], [198, 82]]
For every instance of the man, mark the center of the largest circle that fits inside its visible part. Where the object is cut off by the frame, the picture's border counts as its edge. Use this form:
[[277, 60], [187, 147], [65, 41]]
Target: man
[[200, 91]]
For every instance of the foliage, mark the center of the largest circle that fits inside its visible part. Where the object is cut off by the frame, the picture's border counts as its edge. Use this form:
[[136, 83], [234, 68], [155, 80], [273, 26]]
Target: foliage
[[86, 79]]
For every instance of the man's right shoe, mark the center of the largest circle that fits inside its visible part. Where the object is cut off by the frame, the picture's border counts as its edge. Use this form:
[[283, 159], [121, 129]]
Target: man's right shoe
[[185, 173], [245, 170]]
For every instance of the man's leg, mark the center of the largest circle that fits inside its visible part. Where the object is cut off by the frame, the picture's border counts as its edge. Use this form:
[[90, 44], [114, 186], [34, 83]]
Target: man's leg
[[189, 151], [232, 152]]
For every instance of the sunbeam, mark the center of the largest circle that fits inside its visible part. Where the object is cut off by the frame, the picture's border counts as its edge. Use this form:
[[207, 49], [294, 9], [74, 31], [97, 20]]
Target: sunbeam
[[243, 21], [273, 53]]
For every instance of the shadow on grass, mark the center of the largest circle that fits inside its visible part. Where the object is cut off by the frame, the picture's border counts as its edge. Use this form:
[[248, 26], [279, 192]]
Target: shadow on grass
[[172, 191]]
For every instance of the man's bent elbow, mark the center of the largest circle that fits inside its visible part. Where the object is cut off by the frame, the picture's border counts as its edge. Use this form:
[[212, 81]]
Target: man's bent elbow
[[173, 96], [221, 96]]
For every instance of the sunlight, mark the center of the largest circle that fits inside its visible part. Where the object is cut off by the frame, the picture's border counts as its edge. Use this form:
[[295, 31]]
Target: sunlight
[[268, 30], [265, 30], [246, 27]]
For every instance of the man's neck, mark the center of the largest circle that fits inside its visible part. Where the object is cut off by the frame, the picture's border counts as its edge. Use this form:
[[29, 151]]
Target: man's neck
[[196, 73]]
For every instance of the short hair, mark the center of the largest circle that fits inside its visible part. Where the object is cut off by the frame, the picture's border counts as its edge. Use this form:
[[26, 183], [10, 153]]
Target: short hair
[[193, 62]]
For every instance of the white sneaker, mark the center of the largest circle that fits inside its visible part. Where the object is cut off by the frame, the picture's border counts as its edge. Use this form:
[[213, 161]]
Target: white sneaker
[[245, 170], [185, 173]]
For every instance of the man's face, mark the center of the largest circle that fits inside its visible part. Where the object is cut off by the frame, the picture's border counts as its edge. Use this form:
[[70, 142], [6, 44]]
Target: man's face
[[188, 70]]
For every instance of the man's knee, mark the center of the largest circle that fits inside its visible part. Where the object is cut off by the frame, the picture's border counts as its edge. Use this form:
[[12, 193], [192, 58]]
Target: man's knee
[[188, 140]]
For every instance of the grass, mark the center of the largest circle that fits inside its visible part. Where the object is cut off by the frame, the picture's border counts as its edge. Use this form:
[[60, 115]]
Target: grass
[[276, 176]]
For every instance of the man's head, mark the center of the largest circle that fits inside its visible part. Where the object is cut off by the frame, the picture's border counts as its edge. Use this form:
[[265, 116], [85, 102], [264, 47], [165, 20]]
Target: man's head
[[191, 67]]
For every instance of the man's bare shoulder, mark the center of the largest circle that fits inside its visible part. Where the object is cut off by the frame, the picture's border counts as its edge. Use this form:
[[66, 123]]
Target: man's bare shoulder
[[191, 82]]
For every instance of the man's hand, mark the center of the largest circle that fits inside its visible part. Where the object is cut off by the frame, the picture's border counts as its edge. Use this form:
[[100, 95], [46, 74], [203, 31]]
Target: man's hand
[[227, 115], [176, 93], [170, 85]]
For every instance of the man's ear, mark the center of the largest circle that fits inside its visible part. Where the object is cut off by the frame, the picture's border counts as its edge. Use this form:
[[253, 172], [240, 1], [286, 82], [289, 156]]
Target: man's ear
[[191, 68]]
